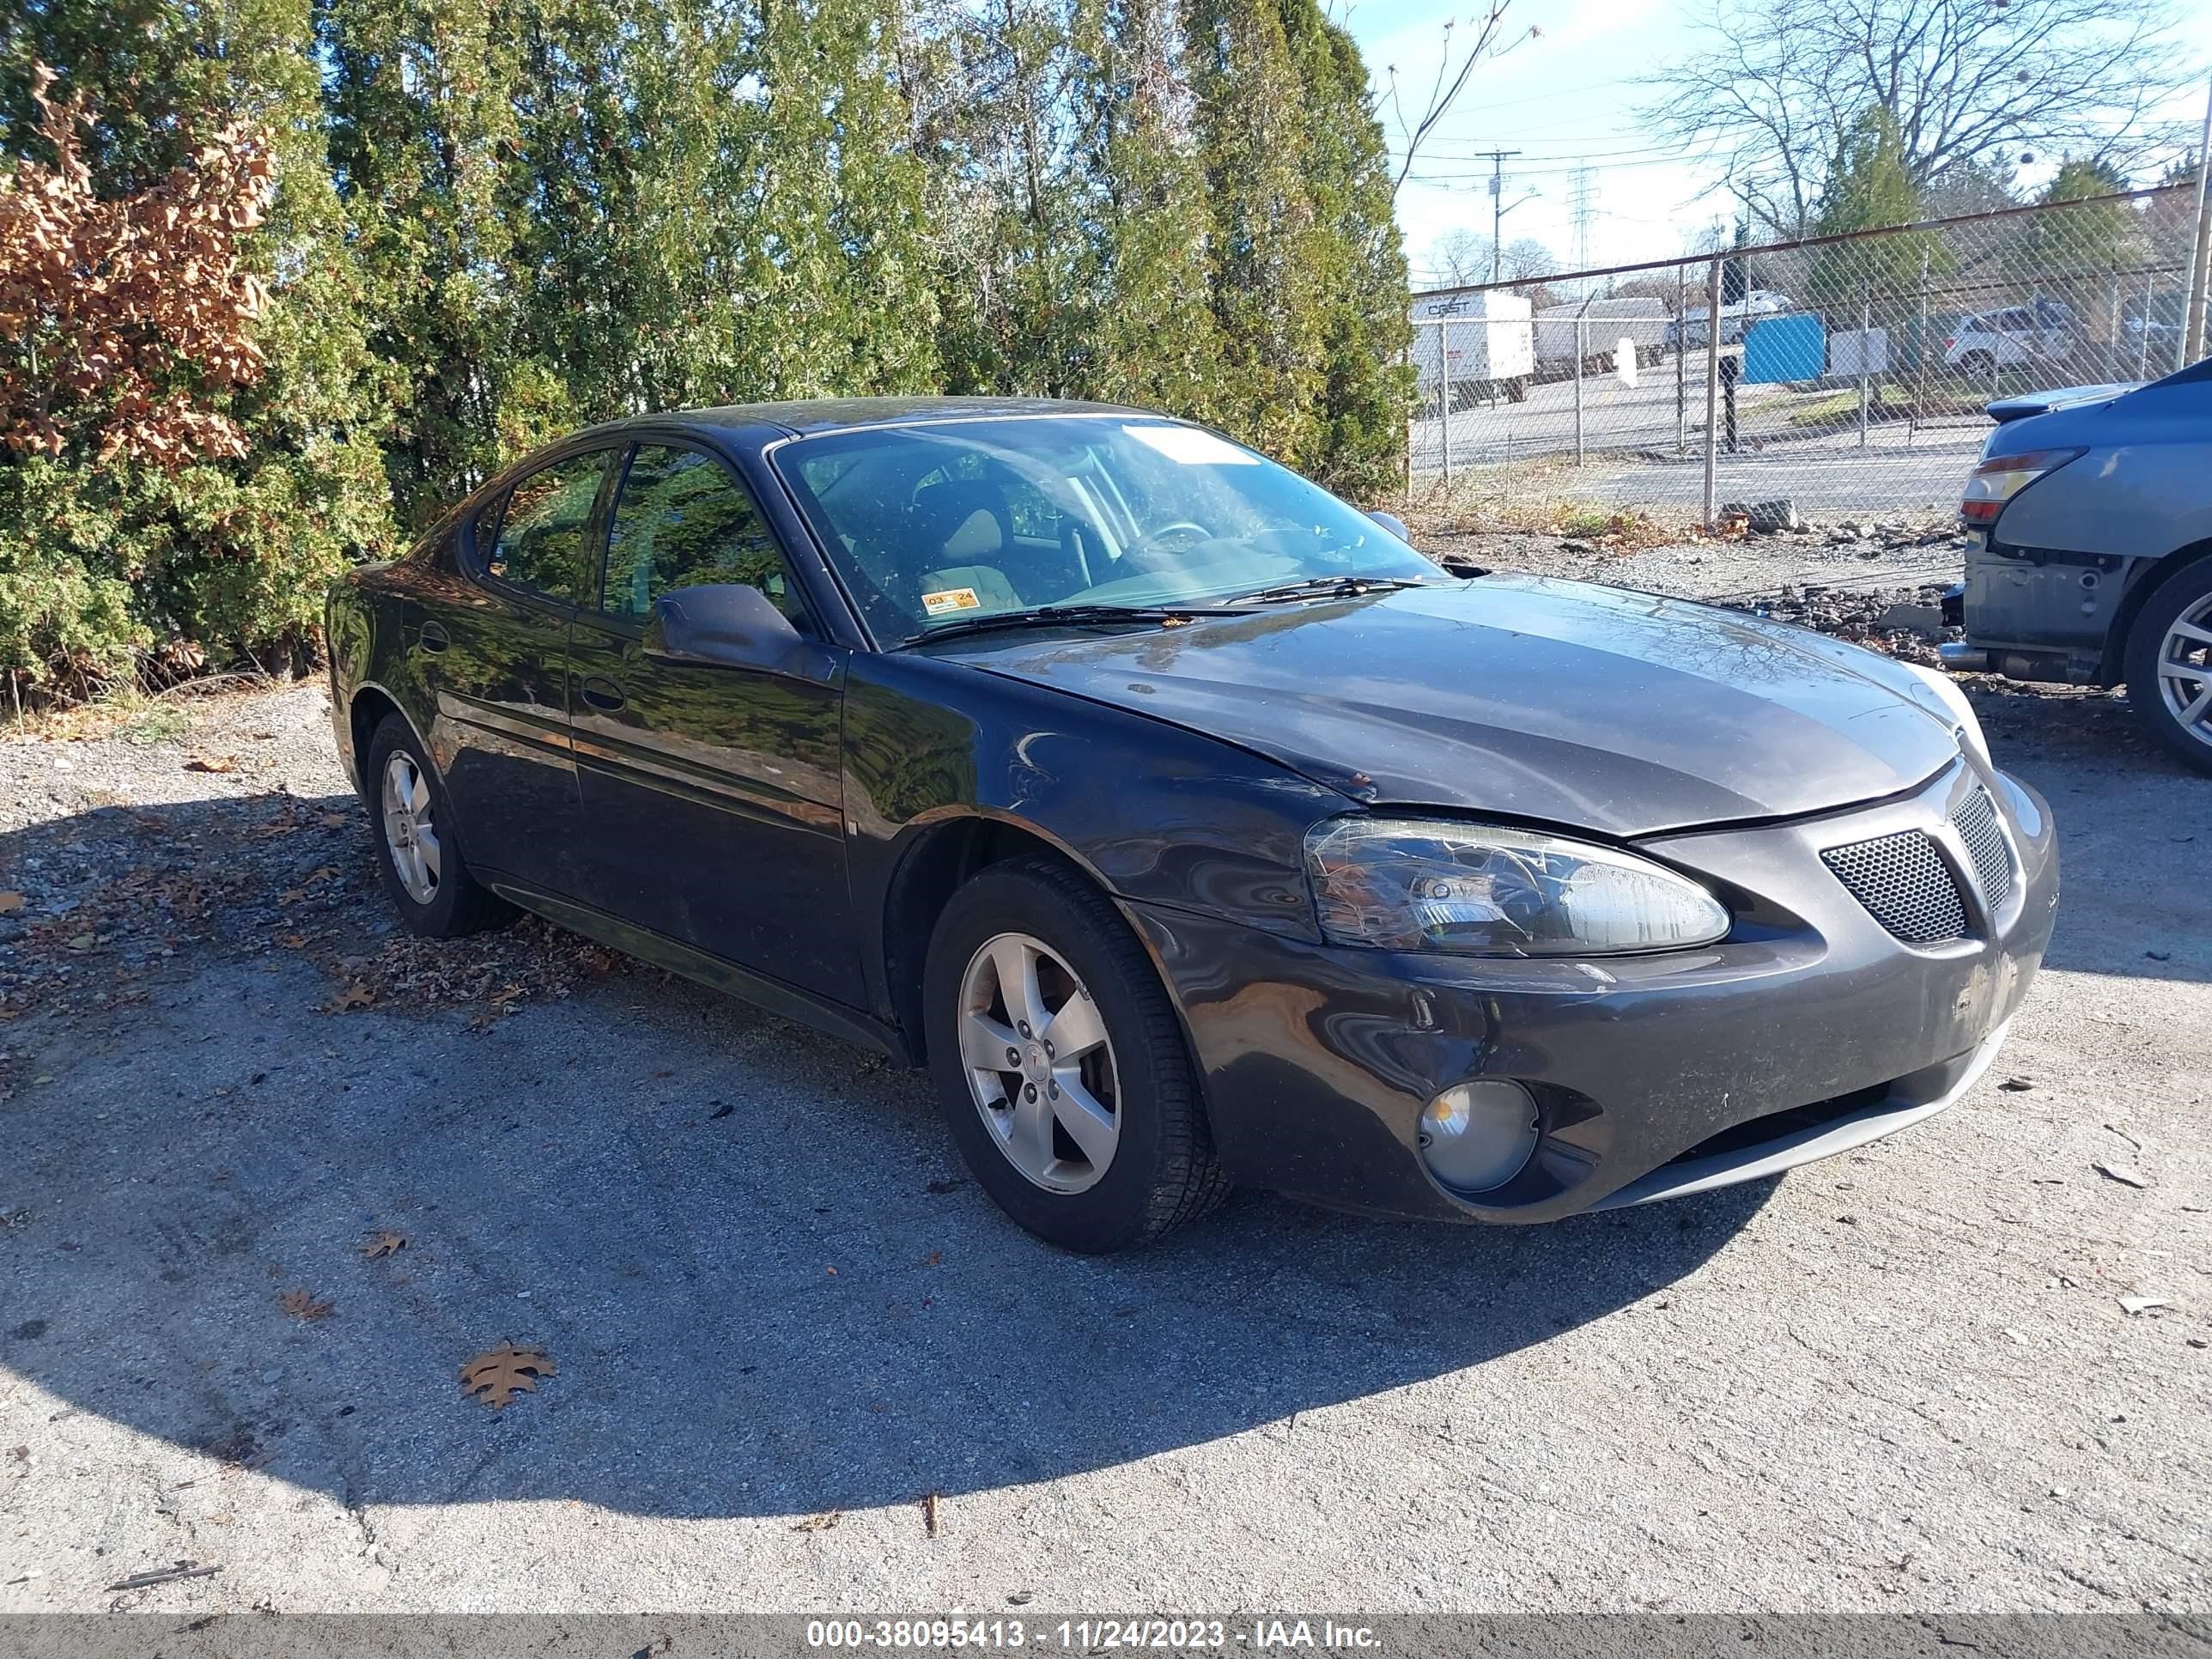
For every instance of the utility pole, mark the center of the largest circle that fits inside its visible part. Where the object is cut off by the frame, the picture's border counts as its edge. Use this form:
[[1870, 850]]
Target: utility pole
[[1498, 160]]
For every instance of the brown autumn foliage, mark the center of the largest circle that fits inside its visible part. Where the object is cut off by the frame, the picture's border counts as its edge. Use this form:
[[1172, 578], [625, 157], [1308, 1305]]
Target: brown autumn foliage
[[120, 316]]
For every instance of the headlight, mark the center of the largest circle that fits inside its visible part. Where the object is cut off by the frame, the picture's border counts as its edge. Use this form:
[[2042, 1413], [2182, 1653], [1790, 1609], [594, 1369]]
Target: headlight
[[1482, 890], [2000, 478], [1956, 709]]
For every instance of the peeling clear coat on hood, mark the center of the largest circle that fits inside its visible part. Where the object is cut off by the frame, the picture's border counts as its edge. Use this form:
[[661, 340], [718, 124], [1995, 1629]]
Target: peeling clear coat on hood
[[1526, 698]]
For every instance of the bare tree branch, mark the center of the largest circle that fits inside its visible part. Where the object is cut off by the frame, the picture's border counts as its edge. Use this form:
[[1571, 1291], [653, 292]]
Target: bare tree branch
[[1774, 83], [1452, 76]]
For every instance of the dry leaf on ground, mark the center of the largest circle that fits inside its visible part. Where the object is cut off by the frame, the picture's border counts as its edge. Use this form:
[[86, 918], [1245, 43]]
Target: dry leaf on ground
[[212, 763], [355, 996], [496, 1376], [383, 1241], [300, 1303], [10, 904], [821, 1522], [929, 1508]]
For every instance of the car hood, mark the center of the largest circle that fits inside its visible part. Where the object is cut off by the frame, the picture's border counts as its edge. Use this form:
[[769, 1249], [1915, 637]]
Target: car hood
[[1543, 701]]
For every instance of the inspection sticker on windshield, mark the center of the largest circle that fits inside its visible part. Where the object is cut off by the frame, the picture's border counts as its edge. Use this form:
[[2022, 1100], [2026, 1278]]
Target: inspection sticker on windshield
[[951, 598], [1191, 446]]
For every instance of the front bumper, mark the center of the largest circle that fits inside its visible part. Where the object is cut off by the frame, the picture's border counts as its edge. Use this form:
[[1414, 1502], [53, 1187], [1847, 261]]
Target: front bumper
[[1809, 1029]]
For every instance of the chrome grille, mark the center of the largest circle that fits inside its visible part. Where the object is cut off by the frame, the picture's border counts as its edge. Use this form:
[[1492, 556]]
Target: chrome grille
[[1903, 884], [1975, 820]]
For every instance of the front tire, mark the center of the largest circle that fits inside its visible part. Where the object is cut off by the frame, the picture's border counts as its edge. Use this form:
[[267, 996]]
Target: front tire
[[2168, 664], [417, 852], [1060, 1065]]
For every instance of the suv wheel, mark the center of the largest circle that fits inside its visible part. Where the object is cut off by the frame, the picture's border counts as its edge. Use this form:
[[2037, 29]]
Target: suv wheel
[[2169, 665], [1060, 1065]]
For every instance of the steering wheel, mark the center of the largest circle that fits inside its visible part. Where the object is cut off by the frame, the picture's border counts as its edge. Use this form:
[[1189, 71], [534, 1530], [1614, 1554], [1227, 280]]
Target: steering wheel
[[1141, 549]]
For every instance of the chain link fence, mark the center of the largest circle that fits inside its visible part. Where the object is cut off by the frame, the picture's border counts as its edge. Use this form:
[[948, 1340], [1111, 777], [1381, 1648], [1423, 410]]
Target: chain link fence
[[1848, 376]]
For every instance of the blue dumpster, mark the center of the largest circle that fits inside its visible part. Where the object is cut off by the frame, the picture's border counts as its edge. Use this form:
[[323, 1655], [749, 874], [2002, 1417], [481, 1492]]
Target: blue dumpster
[[1787, 348]]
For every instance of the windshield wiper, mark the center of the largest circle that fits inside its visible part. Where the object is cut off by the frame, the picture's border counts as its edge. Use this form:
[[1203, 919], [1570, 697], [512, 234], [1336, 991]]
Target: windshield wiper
[[1347, 587], [1046, 616]]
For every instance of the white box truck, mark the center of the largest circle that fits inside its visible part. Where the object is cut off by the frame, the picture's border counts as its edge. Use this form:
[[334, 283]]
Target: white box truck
[[1598, 326], [1479, 345]]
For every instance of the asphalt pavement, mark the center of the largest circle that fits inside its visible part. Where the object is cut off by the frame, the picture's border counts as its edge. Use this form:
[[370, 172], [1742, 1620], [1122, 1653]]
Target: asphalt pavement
[[1962, 1370]]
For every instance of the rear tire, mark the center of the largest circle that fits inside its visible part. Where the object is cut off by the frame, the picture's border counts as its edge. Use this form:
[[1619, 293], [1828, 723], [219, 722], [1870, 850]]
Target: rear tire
[[2168, 664], [418, 853], [1154, 1166]]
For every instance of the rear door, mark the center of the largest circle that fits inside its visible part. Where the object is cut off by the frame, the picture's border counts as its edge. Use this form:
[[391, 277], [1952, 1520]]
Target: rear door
[[498, 659], [712, 793]]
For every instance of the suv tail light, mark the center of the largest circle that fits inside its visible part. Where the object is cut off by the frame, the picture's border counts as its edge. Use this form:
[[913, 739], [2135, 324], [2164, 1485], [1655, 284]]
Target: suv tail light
[[2000, 478]]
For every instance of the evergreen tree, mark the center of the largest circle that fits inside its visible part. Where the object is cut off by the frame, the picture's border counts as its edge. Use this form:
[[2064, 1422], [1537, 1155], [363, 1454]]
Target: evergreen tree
[[1869, 186], [1265, 268], [206, 557], [1150, 328], [1366, 393]]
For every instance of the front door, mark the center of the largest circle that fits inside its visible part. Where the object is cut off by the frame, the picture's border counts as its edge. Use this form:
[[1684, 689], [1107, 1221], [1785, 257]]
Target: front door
[[498, 660], [712, 793]]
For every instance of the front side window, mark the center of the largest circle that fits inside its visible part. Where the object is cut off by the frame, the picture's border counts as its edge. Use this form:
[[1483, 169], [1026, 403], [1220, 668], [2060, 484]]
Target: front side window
[[936, 523], [681, 521], [540, 544]]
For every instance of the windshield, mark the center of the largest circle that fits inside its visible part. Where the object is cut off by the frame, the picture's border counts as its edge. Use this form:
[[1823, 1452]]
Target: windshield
[[933, 525]]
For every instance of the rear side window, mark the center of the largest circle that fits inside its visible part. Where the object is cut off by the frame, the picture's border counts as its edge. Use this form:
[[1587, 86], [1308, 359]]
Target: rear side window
[[540, 542], [683, 521]]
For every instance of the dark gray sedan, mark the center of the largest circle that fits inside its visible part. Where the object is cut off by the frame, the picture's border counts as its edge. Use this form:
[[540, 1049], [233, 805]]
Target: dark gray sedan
[[1185, 823]]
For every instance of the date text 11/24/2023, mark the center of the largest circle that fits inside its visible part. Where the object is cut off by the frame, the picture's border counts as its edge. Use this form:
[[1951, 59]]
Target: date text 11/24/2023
[[1089, 1635]]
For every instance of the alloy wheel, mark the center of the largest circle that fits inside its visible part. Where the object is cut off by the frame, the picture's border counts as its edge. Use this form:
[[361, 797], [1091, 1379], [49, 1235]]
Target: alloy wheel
[[2184, 670], [1039, 1065], [410, 834]]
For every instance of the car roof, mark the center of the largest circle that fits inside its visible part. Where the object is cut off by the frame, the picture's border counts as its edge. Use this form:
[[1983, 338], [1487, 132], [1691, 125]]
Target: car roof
[[806, 416]]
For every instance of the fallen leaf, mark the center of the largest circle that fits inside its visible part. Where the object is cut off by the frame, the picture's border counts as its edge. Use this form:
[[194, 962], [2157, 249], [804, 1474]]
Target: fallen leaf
[[929, 1505], [2125, 1177], [212, 763], [383, 1243], [10, 904], [335, 820], [497, 1374], [933, 1258], [300, 1303], [821, 1522], [355, 996], [83, 942]]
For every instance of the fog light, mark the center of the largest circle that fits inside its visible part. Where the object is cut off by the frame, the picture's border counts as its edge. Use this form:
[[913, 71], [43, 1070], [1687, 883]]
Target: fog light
[[1478, 1136]]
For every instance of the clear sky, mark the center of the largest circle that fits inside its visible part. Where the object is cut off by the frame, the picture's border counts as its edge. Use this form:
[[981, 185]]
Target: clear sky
[[1566, 99]]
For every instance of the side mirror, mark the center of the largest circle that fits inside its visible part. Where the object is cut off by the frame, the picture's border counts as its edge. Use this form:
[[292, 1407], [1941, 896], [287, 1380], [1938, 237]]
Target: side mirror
[[1395, 525], [730, 622]]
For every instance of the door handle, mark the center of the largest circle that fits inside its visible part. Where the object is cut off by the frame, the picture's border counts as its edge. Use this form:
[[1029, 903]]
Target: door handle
[[433, 638], [600, 692]]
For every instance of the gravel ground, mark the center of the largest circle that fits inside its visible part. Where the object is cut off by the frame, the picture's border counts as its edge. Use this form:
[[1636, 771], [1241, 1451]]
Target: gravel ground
[[780, 1320]]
